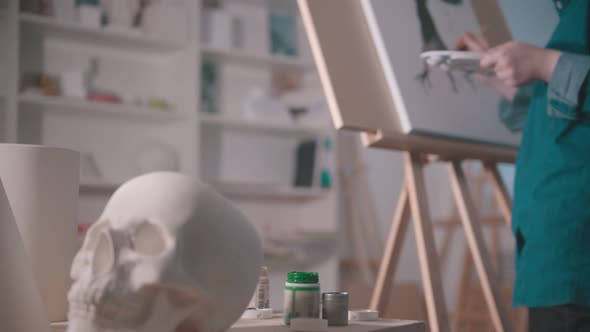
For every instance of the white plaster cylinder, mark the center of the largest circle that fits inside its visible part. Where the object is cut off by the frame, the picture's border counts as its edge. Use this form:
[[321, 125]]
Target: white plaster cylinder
[[217, 28], [41, 184]]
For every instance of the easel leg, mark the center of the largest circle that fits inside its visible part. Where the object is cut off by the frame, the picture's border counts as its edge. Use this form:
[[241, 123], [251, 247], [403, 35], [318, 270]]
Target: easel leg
[[495, 247], [463, 293], [435, 302], [502, 195], [476, 244], [392, 252]]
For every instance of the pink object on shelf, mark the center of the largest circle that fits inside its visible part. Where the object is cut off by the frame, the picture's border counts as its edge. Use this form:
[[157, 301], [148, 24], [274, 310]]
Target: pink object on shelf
[[83, 228], [105, 98]]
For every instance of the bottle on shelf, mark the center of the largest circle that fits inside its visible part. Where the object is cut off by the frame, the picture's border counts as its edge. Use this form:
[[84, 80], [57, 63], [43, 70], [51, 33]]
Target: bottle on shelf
[[261, 297]]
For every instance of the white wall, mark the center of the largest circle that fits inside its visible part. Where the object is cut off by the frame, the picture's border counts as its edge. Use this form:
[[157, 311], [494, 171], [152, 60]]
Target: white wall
[[531, 21]]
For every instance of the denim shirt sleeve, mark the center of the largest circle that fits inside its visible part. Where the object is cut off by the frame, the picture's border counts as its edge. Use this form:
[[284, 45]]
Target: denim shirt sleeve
[[567, 89], [513, 113]]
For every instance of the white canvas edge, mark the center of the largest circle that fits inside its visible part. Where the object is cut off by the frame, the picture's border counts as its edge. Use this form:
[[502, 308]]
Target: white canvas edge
[[387, 68]]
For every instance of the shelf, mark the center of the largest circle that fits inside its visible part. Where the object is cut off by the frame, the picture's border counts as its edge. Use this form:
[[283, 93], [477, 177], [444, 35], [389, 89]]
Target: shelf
[[251, 59], [304, 246], [226, 188], [98, 36], [99, 185], [84, 107], [292, 129], [268, 191], [298, 236]]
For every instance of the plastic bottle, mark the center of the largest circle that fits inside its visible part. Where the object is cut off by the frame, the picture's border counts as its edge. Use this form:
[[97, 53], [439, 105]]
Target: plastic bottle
[[302, 296]]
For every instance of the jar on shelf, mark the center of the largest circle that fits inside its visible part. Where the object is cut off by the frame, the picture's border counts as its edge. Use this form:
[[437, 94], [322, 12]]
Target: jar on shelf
[[302, 296]]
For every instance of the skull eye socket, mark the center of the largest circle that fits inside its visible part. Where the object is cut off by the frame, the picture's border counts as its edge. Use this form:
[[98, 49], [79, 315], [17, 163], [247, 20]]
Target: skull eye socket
[[148, 239], [104, 254], [92, 236]]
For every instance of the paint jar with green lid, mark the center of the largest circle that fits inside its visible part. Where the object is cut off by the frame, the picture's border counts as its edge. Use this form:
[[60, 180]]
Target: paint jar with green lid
[[302, 296]]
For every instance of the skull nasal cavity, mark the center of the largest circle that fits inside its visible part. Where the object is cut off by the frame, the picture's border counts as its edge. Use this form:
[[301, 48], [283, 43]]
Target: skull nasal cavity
[[104, 255], [148, 239]]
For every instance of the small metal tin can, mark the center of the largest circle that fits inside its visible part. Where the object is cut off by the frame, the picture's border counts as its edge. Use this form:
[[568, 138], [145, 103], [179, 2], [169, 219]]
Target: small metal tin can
[[335, 308]]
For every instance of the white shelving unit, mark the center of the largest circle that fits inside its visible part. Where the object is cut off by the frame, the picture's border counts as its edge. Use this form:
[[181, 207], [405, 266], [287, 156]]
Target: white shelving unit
[[252, 59], [253, 162], [9, 63], [291, 129], [81, 107], [125, 62], [106, 37], [268, 191]]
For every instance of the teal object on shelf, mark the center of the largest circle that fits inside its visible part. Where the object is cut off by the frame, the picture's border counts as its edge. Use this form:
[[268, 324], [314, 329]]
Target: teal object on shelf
[[325, 176], [88, 2], [328, 144], [283, 34], [326, 179], [209, 87]]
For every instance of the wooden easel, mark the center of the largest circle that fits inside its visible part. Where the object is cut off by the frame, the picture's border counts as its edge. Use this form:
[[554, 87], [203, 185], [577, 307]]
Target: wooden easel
[[413, 202], [470, 312], [359, 97]]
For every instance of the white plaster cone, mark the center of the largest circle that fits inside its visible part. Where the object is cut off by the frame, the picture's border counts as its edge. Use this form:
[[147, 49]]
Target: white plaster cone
[[41, 184], [21, 308]]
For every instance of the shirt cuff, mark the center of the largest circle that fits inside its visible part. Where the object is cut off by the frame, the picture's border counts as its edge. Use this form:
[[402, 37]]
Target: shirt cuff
[[513, 113], [567, 80]]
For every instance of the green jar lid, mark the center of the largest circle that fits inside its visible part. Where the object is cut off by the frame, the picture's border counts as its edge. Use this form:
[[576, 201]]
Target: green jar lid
[[303, 277]]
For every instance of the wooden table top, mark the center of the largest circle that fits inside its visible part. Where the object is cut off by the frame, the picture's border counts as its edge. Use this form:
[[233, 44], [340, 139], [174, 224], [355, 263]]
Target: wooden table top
[[276, 325]]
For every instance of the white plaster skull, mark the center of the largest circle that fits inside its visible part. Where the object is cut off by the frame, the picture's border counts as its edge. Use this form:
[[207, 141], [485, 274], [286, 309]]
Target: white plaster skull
[[167, 254]]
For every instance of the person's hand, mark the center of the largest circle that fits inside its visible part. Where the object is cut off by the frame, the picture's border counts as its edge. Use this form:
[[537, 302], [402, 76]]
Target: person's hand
[[472, 43], [476, 43], [517, 63]]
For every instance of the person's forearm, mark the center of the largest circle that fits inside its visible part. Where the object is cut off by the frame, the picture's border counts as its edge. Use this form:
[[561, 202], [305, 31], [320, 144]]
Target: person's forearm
[[546, 60], [517, 63]]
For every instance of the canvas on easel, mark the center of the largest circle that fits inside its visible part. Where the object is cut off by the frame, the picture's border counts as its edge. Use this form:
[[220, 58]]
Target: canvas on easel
[[431, 101], [21, 307]]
